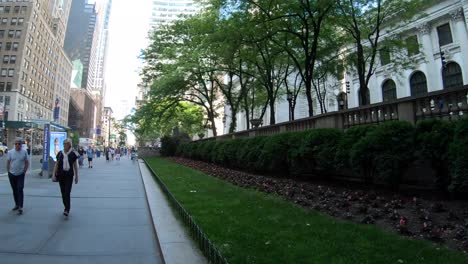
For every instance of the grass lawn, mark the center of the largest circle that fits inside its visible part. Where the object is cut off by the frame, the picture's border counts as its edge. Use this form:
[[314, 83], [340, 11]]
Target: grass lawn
[[253, 227]]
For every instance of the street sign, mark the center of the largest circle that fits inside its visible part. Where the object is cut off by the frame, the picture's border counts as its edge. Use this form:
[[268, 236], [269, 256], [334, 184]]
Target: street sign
[[112, 136]]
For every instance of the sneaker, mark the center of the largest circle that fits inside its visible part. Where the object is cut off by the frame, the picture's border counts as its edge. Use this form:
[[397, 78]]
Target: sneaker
[[15, 208], [65, 213], [20, 211]]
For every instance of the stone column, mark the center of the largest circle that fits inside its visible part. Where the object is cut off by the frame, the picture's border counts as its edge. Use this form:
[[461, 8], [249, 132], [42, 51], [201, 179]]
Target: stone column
[[434, 81], [460, 30]]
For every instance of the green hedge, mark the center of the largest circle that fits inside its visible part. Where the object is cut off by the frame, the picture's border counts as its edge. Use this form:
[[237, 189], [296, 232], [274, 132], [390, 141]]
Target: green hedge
[[432, 139], [458, 155], [377, 154], [168, 146], [382, 155]]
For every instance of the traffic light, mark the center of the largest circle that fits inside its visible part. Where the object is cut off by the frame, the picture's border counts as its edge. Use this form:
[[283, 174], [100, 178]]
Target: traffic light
[[348, 88], [443, 59]]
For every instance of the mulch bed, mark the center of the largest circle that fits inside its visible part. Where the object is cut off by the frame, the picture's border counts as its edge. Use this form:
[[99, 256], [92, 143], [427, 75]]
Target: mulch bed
[[441, 221]]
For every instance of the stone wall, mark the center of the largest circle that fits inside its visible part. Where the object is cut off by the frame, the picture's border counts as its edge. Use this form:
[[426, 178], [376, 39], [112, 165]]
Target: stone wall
[[146, 152]]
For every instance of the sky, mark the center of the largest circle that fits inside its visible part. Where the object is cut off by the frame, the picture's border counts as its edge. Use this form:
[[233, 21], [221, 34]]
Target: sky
[[128, 32]]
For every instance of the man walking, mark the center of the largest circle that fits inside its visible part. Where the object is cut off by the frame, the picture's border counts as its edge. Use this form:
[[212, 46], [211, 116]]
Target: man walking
[[17, 165], [90, 157]]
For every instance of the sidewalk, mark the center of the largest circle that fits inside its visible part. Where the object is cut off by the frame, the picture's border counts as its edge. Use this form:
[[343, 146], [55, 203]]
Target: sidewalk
[[110, 221]]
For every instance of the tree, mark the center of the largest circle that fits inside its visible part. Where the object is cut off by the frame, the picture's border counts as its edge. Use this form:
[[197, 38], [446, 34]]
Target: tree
[[228, 43], [301, 21], [363, 21], [181, 68], [160, 118]]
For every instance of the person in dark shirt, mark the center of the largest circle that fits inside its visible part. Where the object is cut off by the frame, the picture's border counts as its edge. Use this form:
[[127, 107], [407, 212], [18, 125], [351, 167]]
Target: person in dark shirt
[[81, 152], [66, 168]]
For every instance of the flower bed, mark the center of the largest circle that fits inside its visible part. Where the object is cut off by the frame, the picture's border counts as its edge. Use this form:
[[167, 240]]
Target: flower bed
[[439, 221]]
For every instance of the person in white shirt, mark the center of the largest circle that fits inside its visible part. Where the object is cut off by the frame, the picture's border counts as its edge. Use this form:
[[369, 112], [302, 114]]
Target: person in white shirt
[[17, 165]]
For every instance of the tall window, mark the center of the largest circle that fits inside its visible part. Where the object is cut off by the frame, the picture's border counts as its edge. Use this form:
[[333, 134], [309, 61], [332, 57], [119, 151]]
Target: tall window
[[389, 91], [445, 35], [452, 75], [384, 55], [412, 45], [418, 84]]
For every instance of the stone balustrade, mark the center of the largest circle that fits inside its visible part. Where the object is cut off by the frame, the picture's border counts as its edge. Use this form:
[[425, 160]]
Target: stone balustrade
[[446, 104]]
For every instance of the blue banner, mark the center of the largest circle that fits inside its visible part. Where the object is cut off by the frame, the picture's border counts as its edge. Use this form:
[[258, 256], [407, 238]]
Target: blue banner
[[98, 131], [45, 152]]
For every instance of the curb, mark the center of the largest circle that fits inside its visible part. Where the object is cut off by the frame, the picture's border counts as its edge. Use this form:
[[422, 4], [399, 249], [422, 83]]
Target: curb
[[151, 214]]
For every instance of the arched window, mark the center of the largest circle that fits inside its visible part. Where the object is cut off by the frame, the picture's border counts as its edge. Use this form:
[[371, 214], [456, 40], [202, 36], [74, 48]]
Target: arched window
[[367, 100], [418, 84], [452, 75], [389, 91]]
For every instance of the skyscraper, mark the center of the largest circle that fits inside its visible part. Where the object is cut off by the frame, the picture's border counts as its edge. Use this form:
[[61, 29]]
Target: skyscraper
[[33, 64], [165, 12], [103, 21], [99, 62], [80, 39]]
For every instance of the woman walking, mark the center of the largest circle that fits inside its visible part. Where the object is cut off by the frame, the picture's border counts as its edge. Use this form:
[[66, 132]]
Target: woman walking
[[65, 169], [106, 150]]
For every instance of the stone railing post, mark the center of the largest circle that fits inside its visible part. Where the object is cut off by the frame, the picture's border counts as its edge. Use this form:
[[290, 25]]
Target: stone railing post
[[406, 112]]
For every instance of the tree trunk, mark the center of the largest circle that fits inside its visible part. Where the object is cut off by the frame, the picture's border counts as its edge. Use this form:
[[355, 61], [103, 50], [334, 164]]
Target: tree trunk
[[213, 126], [310, 104], [233, 125], [272, 112], [361, 73], [247, 112], [293, 106]]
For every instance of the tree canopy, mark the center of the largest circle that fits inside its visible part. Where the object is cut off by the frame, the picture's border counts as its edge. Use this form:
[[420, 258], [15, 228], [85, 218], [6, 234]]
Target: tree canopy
[[248, 54]]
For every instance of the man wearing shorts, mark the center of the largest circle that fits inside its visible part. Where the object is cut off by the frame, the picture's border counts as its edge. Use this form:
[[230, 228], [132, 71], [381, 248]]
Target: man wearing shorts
[[89, 152]]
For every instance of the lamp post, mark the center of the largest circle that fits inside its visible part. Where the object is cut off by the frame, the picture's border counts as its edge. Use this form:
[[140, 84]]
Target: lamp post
[[289, 97]]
